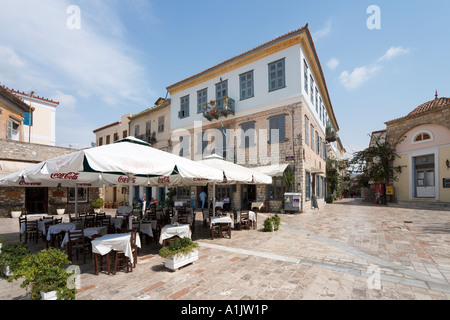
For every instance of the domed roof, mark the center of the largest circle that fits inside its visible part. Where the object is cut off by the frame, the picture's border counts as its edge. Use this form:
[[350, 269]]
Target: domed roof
[[430, 105]]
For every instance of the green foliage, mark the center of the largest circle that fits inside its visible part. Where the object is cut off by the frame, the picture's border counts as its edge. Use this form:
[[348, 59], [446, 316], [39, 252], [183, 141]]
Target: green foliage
[[330, 199], [288, 180], [272, 223], [97, 203], [333, 177], [171, 192], [376, 161], [11, 255], [178, 247], [45, 272]]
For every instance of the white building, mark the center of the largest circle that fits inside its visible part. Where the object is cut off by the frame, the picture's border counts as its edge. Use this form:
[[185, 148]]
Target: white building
[[277, 86], [43, 129]]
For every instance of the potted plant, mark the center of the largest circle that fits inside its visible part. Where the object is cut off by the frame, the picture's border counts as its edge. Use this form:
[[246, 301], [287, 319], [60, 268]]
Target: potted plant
[[16, 212], [46, 274], [97, 204], [10, 257], [60, 209], [212, 103], [179, 253], [272, 223]]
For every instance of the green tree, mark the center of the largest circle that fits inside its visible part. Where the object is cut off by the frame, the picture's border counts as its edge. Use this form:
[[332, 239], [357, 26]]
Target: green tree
[[376, 161]]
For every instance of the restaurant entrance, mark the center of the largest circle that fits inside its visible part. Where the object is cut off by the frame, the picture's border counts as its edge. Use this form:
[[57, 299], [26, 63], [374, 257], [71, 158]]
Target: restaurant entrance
[[36, 200], [248, 195]]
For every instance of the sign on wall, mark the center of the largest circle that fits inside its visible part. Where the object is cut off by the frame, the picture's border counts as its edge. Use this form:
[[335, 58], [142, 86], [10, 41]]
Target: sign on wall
[[446, 182]]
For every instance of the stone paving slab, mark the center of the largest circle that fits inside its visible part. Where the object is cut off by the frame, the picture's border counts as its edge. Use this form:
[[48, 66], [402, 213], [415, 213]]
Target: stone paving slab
[[349, 250]]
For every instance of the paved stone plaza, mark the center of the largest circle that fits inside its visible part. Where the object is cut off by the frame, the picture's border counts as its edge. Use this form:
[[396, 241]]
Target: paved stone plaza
[[349, 250]]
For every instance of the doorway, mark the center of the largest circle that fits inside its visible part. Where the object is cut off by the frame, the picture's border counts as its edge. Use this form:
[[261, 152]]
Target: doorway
[[36, 200], [248, 195], [425, 178]]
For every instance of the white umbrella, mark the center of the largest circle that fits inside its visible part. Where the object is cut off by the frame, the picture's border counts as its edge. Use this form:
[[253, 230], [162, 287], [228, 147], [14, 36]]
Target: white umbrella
[[233, 174], [125, 163]]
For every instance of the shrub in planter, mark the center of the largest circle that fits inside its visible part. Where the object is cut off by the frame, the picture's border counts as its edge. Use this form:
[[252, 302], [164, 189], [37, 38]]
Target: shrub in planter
[[272, 223], [178, 247], [45, 272], [179, 253], [97, 203], [11, 256]]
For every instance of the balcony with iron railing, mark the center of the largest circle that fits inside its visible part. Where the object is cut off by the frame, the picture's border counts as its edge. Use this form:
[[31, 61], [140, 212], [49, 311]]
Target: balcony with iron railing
[[219, 108]]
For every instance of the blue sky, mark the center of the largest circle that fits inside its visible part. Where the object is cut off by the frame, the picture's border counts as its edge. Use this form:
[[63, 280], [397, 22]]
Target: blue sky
[[126, 52]]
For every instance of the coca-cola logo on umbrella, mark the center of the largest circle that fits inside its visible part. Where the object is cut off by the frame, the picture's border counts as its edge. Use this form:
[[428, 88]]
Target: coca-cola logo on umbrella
[[123, 179], [65, 176], [164, 180], [24, 183]]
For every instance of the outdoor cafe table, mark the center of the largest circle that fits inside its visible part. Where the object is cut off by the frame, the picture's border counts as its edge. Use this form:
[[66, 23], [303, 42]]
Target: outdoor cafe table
[[223, 219], [146, 228], [88, 232], [170, 231], [60, 227], [117, 242]]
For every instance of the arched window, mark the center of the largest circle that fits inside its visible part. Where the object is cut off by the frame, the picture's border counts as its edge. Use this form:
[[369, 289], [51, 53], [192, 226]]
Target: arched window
[[423, 136]]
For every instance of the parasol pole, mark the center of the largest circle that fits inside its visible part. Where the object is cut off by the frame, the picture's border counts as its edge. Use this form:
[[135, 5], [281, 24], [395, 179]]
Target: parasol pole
[[130, 200], [76, 200]]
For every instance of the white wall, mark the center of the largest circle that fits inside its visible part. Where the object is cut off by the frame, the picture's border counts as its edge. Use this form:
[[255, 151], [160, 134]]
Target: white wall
[[262, 97]]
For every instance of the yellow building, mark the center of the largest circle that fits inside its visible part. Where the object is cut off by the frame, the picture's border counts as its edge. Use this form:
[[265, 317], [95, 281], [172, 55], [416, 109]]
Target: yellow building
[[422, 141]]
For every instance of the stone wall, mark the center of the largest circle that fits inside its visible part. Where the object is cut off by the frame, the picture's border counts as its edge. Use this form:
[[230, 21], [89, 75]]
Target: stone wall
[[35, 153]]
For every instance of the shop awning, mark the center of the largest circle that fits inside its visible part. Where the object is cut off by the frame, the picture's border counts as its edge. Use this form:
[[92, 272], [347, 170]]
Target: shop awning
[[276, 170]]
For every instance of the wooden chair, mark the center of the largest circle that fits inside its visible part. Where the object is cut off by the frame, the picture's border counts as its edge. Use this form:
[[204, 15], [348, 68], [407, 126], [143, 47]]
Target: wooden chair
[[22, 225], [31, 231], [75, 219], [99, 216], [99, 264], [244, 221], [225, 227], [77, 245], [107, 223], [89, 221], [58, 220], [215, 230], [123, 262], [44, 235]]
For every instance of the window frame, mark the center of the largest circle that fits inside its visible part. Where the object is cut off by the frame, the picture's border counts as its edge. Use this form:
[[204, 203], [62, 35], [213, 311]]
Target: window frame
[[282, 133], [277, 78], [246, 83], [202, 99], [184, 107]]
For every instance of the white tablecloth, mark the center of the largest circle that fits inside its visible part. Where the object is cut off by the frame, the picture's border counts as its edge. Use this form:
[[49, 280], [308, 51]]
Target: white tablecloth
[[117, 242], [224, 219], [61, 227], [88, 232], [219, 204], [117, 222], [251, 216], [146, 228], [41, 226], [170, 231], [179, 203]]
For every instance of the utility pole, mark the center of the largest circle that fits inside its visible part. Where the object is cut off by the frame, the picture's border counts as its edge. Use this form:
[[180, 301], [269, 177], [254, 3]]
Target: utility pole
[[29, 118]]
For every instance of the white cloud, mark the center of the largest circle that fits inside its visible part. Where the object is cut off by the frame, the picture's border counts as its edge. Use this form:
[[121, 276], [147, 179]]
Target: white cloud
[[393, 52], [358, 77], [94, 60], [333, 63], [66, 101], [326, 30]]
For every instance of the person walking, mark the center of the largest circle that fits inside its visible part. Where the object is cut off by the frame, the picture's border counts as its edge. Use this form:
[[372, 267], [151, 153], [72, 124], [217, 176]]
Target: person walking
[[203, 196]]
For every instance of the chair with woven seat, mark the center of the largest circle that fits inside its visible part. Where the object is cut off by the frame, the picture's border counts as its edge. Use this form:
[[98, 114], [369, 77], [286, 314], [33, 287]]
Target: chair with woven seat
[[89, 221], [77, 245]]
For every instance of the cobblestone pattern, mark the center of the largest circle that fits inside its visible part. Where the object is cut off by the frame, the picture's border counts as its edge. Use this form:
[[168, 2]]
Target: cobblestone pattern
[[336, 253]]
